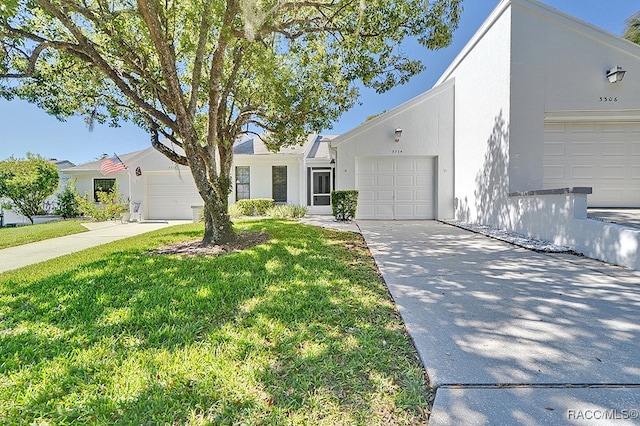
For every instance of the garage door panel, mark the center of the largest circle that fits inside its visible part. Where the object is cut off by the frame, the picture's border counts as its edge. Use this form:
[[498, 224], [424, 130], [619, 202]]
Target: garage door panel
[[403, 196], [612, 172], [384, 167], [384, 180], [611, 148], [554, 149], [366, 195], [384, 195], [581, 149], [404, 181], [366, 181], [582, 172], [404, 188], [604, 156]]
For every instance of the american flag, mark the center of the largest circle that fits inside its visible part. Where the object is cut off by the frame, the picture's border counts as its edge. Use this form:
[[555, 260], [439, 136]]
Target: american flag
[[112, 165]]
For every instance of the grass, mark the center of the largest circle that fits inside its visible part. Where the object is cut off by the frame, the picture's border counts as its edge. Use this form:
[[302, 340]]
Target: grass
[[11, 237], [299, 330]]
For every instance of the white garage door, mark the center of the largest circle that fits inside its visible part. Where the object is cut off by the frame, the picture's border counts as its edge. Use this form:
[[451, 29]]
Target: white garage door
[[171, 195], [604, 156], [395, 188]]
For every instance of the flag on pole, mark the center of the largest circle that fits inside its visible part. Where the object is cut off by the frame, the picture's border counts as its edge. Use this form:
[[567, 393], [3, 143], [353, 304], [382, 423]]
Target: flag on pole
[[112, 165]]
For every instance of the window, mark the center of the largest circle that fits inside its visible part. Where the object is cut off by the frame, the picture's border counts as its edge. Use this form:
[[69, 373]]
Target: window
[[103, 185], [242, 183], [279, 183]]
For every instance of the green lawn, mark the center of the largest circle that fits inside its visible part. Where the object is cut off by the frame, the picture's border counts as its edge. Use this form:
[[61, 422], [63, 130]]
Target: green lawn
[[299, 330], [11, 237]]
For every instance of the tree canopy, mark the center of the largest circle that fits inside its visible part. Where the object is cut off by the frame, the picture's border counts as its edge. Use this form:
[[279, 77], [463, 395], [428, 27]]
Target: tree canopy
[[198, 73], [27, 183], [632, 30]]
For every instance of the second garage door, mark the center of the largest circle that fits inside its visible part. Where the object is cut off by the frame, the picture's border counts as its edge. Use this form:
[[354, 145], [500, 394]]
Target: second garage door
[[171, 195], [604, 156], [395, 188]]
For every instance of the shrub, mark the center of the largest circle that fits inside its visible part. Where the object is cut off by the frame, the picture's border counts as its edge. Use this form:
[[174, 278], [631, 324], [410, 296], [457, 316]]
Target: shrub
[[234, 212], [287, 211], [254, 206], [343, 204], [110, 205], [68, 204]]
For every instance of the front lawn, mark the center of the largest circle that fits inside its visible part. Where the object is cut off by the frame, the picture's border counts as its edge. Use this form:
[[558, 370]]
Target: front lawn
[[298, 330], [11, 237]]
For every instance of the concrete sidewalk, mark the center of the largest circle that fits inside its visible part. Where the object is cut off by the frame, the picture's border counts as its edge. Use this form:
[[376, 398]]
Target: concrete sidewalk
[[511, 336], [98, 234]]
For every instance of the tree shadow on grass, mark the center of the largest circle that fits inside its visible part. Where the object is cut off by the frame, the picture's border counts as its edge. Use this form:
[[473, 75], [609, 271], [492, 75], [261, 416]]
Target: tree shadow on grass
[[299, 329]]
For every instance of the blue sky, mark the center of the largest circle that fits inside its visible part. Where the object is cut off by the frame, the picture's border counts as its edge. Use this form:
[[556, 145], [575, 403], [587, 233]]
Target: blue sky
[[23, 127]]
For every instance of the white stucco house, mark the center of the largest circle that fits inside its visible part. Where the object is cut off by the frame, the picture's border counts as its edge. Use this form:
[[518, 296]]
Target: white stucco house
[[161, 190], [528, 126]]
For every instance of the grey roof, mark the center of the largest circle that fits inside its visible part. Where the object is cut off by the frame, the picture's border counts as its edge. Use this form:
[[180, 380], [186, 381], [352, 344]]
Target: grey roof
[[256, 146], [320, 148], [95, 165]]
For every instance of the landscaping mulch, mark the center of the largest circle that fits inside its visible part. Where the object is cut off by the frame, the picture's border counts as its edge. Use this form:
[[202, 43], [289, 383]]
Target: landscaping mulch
[[243, 241]]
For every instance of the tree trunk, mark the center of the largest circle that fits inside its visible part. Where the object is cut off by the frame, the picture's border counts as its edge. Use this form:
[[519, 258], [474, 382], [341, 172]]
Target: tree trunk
[[218, 228]]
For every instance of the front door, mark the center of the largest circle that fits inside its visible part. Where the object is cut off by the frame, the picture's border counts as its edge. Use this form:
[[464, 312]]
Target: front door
[[321, 187]]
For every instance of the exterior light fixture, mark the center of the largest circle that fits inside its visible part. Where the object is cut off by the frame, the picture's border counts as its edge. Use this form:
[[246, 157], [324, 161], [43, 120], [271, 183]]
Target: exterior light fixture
[[615, 74], [398, 133]]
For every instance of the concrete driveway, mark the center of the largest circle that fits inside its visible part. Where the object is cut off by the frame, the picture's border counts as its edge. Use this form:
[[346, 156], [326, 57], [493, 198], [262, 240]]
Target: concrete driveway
[[511, 336]]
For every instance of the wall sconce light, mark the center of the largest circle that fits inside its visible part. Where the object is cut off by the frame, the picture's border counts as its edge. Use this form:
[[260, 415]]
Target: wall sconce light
[[398, 133], [332, 162], [615, 74]]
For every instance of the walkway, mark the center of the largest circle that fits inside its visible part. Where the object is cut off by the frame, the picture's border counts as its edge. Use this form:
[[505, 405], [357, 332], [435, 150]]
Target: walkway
[[511, 336], [99, 233]]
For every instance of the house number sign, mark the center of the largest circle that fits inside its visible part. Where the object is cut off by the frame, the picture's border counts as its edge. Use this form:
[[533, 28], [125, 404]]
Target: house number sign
[[608, 99], [396, 151]]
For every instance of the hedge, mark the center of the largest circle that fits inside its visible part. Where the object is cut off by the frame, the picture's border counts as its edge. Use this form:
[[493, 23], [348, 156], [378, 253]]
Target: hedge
[[254, 206], [343, 204]]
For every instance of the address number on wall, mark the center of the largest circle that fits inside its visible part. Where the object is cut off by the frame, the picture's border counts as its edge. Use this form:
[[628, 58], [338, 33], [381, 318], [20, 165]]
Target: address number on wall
[[608, 99], [396, 151]]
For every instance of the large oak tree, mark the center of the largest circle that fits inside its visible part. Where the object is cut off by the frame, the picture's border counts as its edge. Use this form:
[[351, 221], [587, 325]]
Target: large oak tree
[[198, 73]]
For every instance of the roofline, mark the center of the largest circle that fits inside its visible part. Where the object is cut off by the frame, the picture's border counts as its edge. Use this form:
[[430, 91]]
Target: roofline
[[141, 153], [533, 6], [340, 139]]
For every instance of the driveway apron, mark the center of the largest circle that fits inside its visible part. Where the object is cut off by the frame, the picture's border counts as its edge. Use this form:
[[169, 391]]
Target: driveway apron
[[511, 336]]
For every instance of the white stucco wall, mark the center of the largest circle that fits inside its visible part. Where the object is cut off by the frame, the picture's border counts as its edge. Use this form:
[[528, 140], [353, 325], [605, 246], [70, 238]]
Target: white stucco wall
[[260, 173], [427, 130], [558, 72], [482, 117]]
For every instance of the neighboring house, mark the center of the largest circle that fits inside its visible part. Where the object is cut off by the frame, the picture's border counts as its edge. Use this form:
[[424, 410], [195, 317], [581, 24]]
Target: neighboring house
[[525, 111], [300, 175], [51, 202]]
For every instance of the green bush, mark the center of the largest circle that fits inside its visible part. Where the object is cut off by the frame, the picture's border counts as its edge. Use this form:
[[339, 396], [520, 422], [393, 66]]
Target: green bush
[[68, 204], [254, 206], [110, 205], [233, 210], [287, 211], [344, 204]]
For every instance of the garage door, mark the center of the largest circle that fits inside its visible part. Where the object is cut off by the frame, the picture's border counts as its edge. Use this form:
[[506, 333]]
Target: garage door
[[171, 195], [395, 188], [604, 156]]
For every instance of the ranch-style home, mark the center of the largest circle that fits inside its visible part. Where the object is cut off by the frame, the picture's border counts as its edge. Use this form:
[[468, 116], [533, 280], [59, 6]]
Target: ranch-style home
[[160, 189], [537, 118]]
